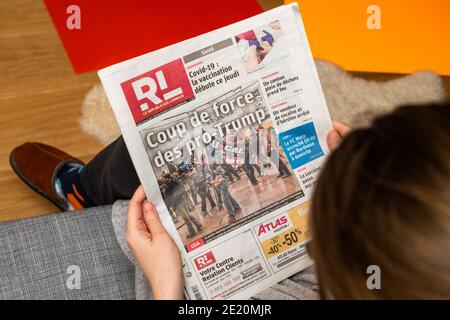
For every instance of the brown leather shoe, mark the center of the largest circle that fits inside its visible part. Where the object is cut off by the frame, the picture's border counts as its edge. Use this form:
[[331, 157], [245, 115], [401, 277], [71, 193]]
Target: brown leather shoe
[[36, 164]]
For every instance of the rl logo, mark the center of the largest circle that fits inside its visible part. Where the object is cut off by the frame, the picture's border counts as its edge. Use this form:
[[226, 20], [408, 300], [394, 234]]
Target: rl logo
[[204, 260], [157, 90]]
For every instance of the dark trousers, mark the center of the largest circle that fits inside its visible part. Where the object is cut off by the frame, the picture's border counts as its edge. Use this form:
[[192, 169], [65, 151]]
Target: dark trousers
[[250, 172], [230, 171], [110, 175], [203, 197], [230, 203], [282, 168], [257, 168]]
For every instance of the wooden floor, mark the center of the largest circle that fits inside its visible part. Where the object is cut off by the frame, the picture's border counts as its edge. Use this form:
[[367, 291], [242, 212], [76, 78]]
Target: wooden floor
[[40, 99]]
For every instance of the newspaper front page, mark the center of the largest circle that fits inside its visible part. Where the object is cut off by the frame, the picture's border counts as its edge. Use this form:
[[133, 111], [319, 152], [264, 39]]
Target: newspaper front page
[[227, 132]]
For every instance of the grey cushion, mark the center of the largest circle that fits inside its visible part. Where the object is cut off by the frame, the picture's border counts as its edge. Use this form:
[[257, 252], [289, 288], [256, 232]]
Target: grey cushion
[[35, 255]]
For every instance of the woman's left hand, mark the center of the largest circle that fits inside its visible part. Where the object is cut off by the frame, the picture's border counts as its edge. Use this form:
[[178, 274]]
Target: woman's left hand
[[155, 251], [335, 136]]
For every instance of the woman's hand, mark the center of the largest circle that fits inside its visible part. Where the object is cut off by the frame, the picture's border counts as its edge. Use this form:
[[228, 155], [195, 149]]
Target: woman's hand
[[155, 251], [335, 136]]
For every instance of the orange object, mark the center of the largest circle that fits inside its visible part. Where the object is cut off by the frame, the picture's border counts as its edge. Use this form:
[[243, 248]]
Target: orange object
[[414, 34]]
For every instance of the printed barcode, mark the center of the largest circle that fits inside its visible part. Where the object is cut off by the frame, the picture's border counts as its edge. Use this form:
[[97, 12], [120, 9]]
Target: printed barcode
[[196, 292]]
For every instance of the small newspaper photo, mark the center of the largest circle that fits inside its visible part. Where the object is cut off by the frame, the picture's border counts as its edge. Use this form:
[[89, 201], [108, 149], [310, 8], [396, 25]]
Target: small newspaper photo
[[227, 132]]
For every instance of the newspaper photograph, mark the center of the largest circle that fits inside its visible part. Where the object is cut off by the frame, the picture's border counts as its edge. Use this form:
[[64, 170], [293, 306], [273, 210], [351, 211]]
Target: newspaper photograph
[[227, 132], [222, 171]]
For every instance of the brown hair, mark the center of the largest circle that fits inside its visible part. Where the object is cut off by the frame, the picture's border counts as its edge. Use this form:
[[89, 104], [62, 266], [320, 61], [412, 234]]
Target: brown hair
[[383, 198]]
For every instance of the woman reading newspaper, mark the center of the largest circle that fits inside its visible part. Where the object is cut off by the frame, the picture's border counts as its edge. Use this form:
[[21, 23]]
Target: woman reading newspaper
[[382, 200]]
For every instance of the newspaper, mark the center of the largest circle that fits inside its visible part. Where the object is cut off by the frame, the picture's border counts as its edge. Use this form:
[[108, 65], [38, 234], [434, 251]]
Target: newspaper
[[227, 132]]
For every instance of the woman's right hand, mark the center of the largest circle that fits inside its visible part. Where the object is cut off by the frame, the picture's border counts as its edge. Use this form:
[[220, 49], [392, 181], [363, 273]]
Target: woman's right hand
[[155, 251], [335, 136]]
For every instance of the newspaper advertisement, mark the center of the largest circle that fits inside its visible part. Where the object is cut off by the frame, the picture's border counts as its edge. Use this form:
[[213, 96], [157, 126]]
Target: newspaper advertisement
[[227, 132]]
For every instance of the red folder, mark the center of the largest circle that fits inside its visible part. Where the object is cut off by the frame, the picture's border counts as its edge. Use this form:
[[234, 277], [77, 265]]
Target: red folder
[[115, 30]]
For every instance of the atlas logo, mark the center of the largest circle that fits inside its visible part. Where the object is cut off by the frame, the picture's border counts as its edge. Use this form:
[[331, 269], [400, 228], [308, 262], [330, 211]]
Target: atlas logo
[[157, 90], [266, 227]]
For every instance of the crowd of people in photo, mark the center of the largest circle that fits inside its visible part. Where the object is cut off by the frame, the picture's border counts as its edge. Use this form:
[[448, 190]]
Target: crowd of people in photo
[[196, 183]]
